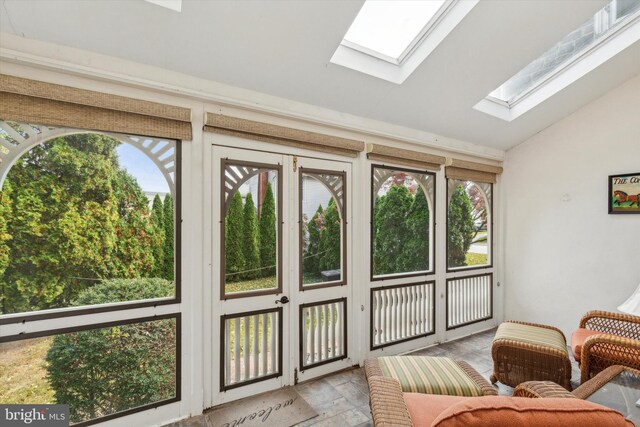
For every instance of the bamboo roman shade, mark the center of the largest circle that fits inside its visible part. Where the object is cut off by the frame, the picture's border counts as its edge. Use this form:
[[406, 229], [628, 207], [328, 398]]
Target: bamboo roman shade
[[472, 171], [234, 126], [32, 101], [383, 153]]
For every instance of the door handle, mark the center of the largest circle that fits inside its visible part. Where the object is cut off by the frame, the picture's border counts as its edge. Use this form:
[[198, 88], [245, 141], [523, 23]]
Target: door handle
[[282, 300]]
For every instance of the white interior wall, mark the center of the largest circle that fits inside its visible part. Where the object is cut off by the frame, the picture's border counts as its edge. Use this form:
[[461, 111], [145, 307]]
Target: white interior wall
[[564, 254]]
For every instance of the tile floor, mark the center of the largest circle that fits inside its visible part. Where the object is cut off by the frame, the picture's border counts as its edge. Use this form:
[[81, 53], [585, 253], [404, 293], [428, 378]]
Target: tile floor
[[342, 399]]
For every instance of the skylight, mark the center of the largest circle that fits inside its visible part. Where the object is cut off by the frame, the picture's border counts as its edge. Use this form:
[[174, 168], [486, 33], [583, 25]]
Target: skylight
[[169, 4], [390, 39], [596, 29], [388, 29]]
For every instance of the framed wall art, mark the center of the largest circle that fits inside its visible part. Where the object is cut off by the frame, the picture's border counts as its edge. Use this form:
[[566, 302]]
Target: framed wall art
[[624, 193]]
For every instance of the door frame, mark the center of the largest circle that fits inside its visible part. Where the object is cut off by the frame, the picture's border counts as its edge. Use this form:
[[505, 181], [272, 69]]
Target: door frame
[[224, 306], [327, 293], [289, 252]]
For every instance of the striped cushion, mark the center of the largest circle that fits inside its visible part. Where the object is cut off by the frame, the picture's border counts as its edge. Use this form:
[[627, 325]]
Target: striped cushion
[[430, 375], [532, 335]]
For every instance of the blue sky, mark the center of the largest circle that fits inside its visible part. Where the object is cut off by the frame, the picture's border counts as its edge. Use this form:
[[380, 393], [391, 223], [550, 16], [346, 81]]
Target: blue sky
[[142, 168]]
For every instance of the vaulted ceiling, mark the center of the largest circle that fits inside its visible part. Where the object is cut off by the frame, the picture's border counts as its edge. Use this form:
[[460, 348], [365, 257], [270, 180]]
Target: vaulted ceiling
[[283, 48]]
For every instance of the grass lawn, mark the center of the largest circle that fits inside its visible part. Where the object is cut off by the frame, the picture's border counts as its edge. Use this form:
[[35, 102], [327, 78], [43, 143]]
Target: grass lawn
[[266, 283], [252, 285], [308, 278], [23, 372], [475, 259]]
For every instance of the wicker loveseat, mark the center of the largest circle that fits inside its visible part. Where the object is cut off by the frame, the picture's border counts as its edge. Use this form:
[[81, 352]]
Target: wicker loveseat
[[390, 406], [605, 339]]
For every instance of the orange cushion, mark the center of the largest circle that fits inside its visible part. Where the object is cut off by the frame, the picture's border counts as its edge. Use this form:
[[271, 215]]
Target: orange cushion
[[577, 341], [424, 408], [524, 412]]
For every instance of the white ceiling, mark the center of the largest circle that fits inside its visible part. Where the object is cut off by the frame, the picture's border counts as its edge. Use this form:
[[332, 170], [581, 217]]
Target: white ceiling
[[283, 48]]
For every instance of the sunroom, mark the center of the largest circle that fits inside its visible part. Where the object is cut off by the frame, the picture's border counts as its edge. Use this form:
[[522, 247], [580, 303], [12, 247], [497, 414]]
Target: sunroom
[[244, 213]]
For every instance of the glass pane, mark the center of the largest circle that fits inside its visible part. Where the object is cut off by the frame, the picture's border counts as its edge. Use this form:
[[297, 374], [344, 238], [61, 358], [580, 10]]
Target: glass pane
[[402, 218], [83, 213], [587, 35], [389, 27], [96, 372], [469, 221], [321, 228], [250, 228]]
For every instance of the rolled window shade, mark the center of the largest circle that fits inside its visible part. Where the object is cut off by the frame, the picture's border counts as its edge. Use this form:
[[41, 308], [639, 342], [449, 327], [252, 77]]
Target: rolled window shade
[[50, 104], [383, 153], [472, 171], [259, 131]]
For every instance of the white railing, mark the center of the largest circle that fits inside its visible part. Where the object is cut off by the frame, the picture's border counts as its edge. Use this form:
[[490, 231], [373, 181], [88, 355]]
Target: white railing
[[469, 300], [251, 347], [323, 332], [403, 312]]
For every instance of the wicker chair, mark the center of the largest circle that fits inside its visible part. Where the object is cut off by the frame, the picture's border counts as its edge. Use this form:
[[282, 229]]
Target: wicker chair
[[611, 339]]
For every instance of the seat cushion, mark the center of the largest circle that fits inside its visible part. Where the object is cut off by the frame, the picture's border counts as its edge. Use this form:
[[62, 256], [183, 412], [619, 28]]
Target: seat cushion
[[524, 412], [423, 409], [577, 341], [531, 335], [431, 375]]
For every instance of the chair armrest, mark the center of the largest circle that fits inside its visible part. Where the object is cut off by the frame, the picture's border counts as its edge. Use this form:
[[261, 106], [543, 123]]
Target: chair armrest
[[485, 386], [388, 408], [541, 389], [372, 368], [589, 387], [604, 350], [623, 325], [539, 325]]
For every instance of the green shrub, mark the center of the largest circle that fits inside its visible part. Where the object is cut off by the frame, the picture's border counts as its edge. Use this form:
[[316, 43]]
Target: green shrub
[[102, 371]]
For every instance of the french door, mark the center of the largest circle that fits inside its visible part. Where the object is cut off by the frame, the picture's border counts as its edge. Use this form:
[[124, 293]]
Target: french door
[[281, 292]]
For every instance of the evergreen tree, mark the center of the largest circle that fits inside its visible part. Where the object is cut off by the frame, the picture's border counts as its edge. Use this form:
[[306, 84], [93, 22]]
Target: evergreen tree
[[330, 239], [233, 254], [136, 237], [416, 250], [390, 229], [157, 219], [76, 218], [169, 230], [250, 239], [461, 227], [268, 234], [311, 262], [5, 214]]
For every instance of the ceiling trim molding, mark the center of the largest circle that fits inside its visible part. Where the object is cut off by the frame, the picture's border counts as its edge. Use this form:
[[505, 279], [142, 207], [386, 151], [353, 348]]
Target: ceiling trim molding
[[94, 66]]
